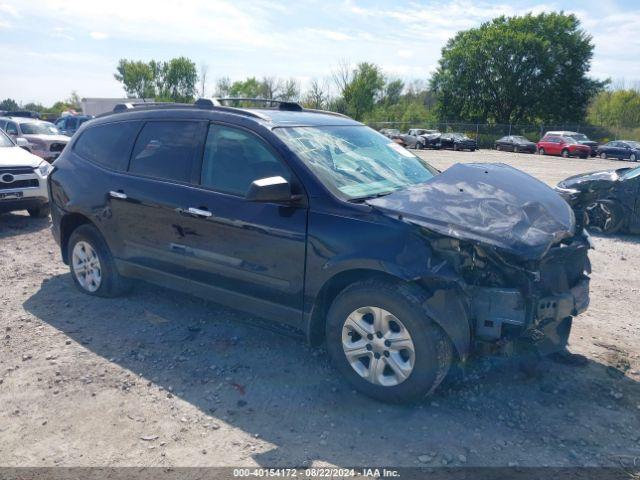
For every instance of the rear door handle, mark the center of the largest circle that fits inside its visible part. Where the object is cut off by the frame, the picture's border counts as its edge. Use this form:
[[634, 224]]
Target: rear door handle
[[119, 194], [198, 212]]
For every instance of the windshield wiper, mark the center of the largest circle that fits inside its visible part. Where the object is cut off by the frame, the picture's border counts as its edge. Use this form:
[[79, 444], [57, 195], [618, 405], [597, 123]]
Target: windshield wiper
[[369, 197]]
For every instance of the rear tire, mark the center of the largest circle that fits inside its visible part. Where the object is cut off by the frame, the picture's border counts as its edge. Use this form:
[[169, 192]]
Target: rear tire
[[633, 157], [498, 148], [419, 146], [603, 155], [42, 211], [91, 263], [516, 150], [425, 361]]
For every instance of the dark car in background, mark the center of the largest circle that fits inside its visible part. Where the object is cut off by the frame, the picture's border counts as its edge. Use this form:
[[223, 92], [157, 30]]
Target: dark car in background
[[455, 141], [564, 146], [620, 149], [516, 144], [321, 224], [607, 201], [70, 124]]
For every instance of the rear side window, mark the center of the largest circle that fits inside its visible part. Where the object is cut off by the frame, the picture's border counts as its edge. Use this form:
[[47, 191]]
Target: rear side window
[[167, 150], [108, 145]]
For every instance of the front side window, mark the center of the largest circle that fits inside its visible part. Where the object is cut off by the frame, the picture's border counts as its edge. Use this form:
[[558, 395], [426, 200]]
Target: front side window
[[108, 145], [41, 128], [355, 161], [166, 150], [234, 158]]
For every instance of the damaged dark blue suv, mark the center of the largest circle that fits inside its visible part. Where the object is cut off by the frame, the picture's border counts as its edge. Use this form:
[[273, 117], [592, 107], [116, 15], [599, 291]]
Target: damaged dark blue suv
[[317, 222]]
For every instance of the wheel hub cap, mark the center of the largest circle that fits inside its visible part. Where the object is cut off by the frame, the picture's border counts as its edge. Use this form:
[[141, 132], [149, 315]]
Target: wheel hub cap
[[378, 346], [86, 266]]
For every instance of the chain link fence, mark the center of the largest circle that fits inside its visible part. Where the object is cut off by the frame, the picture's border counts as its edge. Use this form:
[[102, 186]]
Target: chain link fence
[[486, 134]]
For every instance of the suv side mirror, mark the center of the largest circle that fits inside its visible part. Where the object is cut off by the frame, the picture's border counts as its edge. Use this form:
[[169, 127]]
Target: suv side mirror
[[22, 142], [270, 189]]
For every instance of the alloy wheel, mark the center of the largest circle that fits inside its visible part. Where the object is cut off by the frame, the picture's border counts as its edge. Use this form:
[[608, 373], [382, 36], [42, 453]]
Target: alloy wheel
[[600, 216], [378, 346], [633, 157], [603, 156], [86, 266]]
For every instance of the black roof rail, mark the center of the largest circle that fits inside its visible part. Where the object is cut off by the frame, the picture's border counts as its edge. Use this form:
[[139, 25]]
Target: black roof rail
[[281, 104], [202, 103], [326, 112]]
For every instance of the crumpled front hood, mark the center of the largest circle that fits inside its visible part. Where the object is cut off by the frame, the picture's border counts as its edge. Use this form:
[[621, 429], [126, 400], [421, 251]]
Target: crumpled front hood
[[586, 180], [493, 204]]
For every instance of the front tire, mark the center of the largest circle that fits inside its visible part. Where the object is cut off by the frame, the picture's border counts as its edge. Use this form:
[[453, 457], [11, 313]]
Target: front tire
[[541, 151], [633, 157], [380, 338], [91, 263], [605, 216], [603, 155], [42, 211], [565, 153]]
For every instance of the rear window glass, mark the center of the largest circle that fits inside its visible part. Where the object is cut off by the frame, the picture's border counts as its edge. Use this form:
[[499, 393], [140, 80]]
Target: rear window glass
[[167, 150], [108, 145]]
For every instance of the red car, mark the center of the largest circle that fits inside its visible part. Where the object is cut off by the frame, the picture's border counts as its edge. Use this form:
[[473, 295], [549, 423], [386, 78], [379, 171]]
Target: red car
[[564, 146]]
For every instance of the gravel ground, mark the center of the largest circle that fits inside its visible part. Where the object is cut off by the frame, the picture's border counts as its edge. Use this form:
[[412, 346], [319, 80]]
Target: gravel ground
[[163, 379]]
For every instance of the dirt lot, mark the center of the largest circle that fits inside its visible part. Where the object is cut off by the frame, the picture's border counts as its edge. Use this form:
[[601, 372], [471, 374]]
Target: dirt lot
[[160, 378]]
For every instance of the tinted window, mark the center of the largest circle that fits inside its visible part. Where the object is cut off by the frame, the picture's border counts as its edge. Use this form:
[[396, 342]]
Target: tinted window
[[108, 145], [233, 159], [166, 150]]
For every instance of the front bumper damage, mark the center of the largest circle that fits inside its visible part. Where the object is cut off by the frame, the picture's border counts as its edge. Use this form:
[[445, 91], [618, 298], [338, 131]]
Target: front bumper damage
[[504, 317]]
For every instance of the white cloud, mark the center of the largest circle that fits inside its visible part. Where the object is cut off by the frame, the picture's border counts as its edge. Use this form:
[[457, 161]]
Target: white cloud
[[329, 34], [239, 38], [98, 35]]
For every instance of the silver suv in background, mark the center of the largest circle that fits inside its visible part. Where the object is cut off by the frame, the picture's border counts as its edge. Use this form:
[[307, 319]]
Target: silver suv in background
[[23, 180], [43, 138]]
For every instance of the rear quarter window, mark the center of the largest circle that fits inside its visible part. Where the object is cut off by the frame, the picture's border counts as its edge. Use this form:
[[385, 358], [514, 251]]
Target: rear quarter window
[[109, 144]]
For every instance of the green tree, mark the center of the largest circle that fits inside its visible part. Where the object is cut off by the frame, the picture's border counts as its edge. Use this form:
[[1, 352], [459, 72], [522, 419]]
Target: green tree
[[137, 78], [180, 80], [363, 90], [619, 108], [517, 69], [9, 105], [248, 88], [34, 107], [290, 90]]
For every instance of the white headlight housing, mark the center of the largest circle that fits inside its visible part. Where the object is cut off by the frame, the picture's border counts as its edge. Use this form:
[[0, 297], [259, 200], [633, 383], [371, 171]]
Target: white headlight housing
[[44, 168]]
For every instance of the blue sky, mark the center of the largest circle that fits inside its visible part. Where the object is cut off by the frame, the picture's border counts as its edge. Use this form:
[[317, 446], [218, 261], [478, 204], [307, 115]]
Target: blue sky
[[51, 47]]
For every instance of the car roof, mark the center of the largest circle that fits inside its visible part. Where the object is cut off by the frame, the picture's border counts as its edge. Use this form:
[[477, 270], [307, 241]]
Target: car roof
[[287, 114]]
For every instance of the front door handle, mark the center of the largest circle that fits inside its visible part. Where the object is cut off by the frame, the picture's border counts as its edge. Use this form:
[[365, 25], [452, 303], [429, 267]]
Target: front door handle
[[198, 212], [119, 194]]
